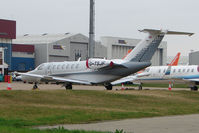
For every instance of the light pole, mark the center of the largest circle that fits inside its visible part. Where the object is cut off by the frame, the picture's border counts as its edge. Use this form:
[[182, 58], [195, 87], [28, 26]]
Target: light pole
[[92, 30]]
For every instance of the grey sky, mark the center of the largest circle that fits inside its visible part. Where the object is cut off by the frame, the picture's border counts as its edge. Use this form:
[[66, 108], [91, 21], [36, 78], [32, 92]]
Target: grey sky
[[113, 18]]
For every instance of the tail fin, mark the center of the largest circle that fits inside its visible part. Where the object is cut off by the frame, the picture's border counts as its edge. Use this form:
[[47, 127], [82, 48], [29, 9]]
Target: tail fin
[[175, 61], [144, 51]]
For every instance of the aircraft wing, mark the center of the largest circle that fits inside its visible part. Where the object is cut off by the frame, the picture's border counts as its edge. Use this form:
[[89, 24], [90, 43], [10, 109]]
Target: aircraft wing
[[192, 80], [54, 78], [130, 78], [123, 80]]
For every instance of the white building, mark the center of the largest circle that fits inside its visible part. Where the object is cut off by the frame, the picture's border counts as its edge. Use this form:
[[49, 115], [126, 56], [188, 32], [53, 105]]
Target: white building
[[3, 65]]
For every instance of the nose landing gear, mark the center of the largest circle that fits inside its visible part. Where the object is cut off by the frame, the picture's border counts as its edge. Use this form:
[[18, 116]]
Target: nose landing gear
[[35, 86]]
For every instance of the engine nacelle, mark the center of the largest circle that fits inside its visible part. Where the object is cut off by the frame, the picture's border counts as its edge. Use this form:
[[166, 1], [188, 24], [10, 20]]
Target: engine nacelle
[[98, 63]]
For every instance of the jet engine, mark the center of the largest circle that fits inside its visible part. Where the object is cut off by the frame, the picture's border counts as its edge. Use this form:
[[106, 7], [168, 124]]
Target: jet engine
[[98, 63]]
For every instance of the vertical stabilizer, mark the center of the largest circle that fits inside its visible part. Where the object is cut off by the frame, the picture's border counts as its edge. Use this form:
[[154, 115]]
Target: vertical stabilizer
[[144, 51], [175, 61]]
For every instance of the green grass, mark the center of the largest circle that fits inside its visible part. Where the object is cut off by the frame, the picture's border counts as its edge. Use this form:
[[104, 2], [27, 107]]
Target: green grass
[[5, 129], [162, 85], [24, 109]]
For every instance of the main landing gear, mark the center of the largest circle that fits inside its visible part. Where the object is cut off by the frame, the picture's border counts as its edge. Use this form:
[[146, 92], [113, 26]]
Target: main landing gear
[[68, 86], [109, 87], [140, 86], [194, 88], [35, 86]]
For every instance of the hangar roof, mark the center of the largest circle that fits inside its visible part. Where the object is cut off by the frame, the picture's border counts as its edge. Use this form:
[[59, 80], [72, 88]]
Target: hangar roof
[[41, 39]]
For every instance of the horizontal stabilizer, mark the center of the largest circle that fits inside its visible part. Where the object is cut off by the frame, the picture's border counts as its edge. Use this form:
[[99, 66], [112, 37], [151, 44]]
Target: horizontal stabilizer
[[152, 31]]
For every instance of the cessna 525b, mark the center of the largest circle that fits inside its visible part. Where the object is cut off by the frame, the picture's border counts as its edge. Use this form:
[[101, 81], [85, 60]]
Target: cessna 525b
[[99, 71]]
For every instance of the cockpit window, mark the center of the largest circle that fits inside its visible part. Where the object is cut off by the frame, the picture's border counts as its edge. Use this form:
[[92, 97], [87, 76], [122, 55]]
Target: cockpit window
[[147, 70], [40, 67]]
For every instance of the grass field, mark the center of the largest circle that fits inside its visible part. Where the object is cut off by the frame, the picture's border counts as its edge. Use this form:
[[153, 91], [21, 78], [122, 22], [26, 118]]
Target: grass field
[[162, 85], [20, 110]]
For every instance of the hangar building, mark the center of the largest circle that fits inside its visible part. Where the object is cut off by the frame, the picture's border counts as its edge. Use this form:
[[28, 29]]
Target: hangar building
[[118, 47], [69, 47], [59, 47], [193, 58], [7, 33]]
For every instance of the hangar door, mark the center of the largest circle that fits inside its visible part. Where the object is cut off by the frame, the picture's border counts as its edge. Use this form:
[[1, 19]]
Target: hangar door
[[77, 50]]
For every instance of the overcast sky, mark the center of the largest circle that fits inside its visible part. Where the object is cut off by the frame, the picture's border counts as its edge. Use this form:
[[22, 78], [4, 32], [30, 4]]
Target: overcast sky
[[121, 18]]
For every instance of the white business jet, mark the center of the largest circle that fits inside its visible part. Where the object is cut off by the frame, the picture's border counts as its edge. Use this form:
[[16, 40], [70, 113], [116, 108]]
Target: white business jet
[[188, 74], [96, 71], [147, 75]]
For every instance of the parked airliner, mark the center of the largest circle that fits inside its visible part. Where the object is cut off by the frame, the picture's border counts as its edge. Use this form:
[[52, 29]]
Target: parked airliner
[[99, 71]]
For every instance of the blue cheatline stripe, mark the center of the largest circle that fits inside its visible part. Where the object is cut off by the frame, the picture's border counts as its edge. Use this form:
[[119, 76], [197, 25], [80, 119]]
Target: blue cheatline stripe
[[188, 77]]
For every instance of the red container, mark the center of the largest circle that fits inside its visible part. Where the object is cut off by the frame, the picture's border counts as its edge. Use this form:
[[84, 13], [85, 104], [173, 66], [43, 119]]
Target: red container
[[5, 78]]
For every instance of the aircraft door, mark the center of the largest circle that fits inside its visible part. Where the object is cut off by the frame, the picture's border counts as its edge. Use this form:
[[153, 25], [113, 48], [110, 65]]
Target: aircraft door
[[49, 69]]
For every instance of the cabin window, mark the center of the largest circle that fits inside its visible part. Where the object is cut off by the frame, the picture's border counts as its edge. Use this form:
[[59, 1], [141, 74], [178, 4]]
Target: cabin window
[[179, 70], [58, 67], [164, 71], [187, 70], [174, 70], [159, 70], [67, 66], [192, 70], [77, 66], [54, 66], [63, 66], [49, 66], [147, 70], [183, 70], [72, 66]]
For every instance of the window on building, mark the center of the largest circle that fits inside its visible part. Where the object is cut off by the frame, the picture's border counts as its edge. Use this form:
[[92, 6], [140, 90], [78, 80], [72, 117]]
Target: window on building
[[1, 58], [121, 41]]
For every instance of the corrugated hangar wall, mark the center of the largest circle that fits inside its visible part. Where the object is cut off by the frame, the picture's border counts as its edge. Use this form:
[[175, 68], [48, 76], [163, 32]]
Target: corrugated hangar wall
[[193, 58]]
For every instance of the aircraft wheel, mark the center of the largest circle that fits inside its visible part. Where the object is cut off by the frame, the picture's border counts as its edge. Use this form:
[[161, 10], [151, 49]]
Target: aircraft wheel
[[35, 86], [140, 87], [194, 88], [69, 86], [109, 87]]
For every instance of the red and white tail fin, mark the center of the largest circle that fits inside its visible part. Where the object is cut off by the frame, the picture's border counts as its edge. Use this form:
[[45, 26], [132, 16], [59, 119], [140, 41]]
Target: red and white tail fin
[[175, 61]]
